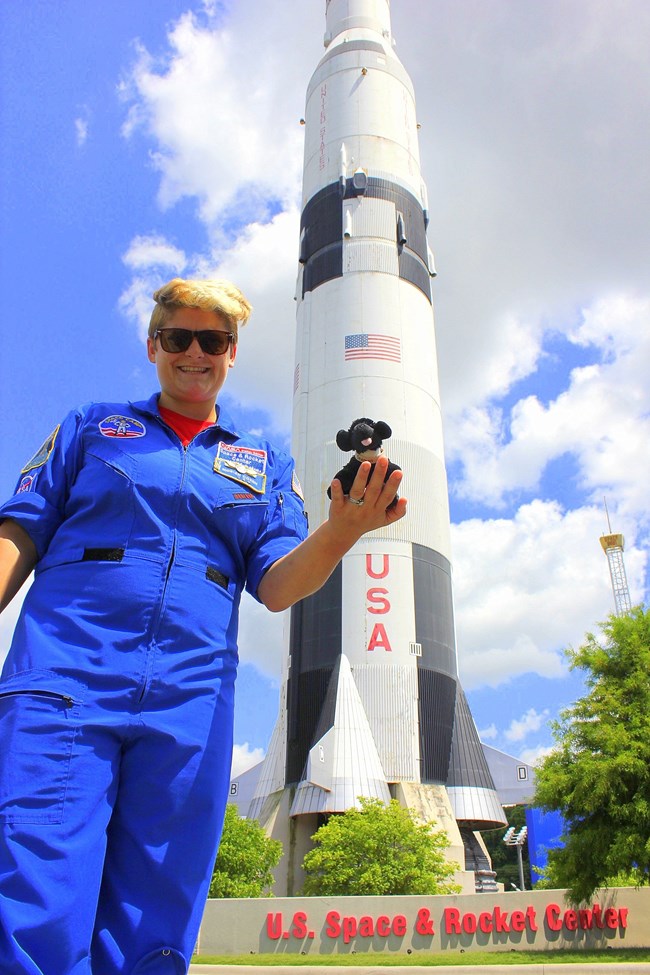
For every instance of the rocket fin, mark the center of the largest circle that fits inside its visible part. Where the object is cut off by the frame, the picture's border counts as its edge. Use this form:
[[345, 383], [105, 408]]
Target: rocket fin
[[272, 772], [343, 762], [471, 789]]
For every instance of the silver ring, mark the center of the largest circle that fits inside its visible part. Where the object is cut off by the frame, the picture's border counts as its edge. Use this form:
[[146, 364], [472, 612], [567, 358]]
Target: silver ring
[[354, 500]]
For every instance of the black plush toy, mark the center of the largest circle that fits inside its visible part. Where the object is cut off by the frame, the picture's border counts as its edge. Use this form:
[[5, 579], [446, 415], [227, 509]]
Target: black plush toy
[[365, 437]]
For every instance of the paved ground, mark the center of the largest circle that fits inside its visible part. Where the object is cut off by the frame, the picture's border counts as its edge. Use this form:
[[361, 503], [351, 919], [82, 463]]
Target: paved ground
[[623, 968]]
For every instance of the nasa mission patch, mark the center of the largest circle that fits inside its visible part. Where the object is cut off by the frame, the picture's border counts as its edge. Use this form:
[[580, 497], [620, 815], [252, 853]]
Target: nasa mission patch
[[122, 426]]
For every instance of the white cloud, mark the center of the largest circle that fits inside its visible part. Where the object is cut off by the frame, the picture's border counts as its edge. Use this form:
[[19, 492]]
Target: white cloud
[[81, 126], [261, 636], [527, 586], [535, 154], [9, 618], [153, 251], [258, 263], [602, 418], [533, 756], [529, 722], [224, 123], [489, 734], [244, 757], [152, 260]]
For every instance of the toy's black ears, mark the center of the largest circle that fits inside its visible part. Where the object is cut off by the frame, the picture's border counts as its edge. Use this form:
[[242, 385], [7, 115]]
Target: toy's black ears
[[382, 430], [343, 440]]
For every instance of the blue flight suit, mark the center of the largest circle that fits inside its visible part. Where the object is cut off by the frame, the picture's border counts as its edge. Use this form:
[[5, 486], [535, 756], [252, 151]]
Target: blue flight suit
[[116, 698]]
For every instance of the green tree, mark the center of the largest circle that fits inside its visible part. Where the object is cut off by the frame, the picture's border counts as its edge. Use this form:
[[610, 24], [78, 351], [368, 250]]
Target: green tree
[[375, 850], [245, 859], [598, 775]]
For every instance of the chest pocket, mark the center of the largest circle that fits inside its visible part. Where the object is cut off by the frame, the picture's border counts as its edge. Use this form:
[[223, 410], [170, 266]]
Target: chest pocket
[[100, 512], [237, 521]]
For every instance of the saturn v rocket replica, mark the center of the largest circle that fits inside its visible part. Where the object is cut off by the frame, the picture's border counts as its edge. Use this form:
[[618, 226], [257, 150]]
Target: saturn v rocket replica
[[371, 703]]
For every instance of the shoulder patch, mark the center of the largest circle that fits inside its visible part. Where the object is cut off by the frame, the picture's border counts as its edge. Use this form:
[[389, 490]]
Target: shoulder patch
[[42, 454], [296, 486], [26, 483], [246, 465], [121, 426]]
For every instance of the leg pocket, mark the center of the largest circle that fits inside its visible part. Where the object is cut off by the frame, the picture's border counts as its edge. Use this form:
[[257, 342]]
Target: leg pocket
[[39, 718]]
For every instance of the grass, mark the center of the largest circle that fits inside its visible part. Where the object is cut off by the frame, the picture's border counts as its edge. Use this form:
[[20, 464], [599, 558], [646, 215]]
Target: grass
[[434, 960]]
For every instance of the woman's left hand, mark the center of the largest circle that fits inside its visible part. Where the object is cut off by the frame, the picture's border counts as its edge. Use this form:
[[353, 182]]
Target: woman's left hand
[[371, 502]]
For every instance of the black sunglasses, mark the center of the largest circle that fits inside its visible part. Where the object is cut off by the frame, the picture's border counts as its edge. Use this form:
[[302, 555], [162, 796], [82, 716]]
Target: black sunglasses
[[211, 341]]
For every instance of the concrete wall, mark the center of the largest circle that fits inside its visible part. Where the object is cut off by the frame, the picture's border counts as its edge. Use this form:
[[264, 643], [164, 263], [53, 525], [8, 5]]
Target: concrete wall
[[616, 918]]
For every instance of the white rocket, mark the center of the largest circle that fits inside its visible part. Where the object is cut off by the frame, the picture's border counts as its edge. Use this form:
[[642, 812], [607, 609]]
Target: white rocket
[[371, 704]]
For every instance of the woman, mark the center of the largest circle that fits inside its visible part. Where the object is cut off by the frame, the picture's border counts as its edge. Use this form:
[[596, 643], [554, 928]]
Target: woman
[[143, 522]]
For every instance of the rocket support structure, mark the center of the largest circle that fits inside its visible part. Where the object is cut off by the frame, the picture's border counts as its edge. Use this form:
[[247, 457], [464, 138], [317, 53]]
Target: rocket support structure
[[371, 703]]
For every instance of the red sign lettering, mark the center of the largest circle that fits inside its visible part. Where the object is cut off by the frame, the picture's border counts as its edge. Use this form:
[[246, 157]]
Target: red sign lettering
[[299, 925], [518, 921], [469, 923], [274, 925], [383, 926], [351, 927], [452, 920], [333, 928], [485, 922]]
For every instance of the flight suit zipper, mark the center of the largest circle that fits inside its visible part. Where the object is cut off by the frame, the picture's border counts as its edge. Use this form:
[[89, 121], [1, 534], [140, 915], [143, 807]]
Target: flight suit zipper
[[172, 555]]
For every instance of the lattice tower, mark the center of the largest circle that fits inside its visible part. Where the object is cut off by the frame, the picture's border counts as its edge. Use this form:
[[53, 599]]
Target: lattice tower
[[613, 546]]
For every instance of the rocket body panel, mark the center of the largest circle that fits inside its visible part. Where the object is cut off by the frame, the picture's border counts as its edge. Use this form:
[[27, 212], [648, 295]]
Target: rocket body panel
[[343, 15], [360, 107], [373, 578], [365, 347]]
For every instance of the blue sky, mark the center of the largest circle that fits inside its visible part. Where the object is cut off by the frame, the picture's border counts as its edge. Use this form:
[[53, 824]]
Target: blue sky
[[149, 139]]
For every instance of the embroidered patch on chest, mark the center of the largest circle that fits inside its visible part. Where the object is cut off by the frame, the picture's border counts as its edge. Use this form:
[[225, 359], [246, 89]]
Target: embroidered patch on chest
[[246, 465], [42, 454], [121, 426]]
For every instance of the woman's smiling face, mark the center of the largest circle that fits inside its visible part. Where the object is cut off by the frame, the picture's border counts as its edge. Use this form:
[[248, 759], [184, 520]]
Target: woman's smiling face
[[190, 381]]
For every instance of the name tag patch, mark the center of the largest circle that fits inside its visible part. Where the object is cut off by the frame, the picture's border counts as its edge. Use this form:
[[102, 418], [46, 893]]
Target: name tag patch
[[246, 465], [121, 426]]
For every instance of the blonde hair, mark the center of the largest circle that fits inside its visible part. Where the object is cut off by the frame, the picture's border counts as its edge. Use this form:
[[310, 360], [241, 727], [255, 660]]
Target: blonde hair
[[214, 294]]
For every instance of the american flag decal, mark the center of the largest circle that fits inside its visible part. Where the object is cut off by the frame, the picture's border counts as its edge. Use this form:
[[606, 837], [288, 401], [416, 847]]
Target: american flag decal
[[365, 346], [296, 377]]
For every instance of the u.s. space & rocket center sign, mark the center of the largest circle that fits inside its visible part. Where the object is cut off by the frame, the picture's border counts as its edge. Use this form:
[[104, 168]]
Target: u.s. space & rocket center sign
[[349, 927], [528, 920]]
